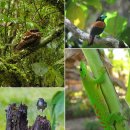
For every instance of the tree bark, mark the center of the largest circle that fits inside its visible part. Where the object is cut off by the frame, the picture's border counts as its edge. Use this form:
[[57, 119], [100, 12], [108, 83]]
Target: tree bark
[[41, 123], [16, 119]]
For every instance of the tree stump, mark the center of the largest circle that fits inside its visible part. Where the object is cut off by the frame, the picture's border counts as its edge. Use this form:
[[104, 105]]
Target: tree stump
[[16, 117], [41, 123]]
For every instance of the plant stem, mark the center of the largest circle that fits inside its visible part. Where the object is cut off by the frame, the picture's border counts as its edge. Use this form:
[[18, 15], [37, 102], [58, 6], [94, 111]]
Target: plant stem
[[107, 87]]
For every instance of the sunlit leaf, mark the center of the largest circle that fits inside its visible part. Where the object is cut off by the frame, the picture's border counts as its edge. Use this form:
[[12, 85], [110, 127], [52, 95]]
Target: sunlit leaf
[[39, 68], [76, 14], [83, 7], [2, 4], [111, 1], [128, 89], [114, 24], [58, 103], [96, 3]]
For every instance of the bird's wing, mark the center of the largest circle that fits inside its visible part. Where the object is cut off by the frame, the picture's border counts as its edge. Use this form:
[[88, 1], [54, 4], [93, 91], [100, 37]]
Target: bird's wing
[[99, 24]]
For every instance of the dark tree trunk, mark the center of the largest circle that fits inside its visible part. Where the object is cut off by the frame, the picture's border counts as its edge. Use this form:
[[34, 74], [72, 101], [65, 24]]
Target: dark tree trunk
[[16, 117], [41, 123]]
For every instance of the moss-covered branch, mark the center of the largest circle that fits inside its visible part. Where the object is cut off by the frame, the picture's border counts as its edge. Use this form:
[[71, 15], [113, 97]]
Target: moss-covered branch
[[55, 34]]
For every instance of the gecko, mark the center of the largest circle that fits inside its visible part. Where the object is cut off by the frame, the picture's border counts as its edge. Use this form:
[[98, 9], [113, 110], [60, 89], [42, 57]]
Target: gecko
[[95, 94]]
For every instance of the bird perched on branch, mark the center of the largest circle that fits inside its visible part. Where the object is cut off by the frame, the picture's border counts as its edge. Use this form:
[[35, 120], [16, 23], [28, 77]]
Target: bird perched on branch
[[97, 28], [30, 39], [41, 104]]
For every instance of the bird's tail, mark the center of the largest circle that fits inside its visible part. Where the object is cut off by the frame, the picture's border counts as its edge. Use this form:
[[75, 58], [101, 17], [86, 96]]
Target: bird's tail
[[91, 40]]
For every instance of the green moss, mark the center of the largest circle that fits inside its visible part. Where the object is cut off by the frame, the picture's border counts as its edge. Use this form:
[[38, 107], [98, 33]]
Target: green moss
[[11, 75], [47, 19]]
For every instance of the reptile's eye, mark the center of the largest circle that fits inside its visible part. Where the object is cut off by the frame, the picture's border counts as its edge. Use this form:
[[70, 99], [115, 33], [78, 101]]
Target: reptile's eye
[[80, 69]]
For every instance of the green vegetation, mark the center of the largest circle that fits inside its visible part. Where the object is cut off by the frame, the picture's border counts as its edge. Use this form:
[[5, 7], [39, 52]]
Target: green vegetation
[[92, 125], [29, 96], [83, 13], [103, 98], [42, 65], [78, 102]]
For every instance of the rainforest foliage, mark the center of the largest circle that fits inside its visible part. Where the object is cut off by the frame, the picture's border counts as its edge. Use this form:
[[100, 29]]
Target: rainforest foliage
[[40, 66]]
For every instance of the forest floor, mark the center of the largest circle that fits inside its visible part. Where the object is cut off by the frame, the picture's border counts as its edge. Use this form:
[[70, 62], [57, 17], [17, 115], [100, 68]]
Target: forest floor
[[78, 123], [75, 124]]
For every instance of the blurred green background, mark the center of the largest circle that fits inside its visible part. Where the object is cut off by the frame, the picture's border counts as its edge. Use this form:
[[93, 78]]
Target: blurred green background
[[29, 96], [83, 13]]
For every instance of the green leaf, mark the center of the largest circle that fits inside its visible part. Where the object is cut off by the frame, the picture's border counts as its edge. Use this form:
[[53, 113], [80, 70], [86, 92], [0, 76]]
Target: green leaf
[[58, 104], [96, 3], [58, 77], [2, 4], [54, 122], [124, 35], [30, 24], [111, 1], [128, 89], [115, 24], [84, 8], [39, 69]]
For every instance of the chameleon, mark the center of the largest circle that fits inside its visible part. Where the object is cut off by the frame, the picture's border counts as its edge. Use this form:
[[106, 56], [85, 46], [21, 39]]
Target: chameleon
[[95, 94]]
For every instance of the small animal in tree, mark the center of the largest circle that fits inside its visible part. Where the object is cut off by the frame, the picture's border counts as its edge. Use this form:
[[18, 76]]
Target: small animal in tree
[[97, 28], [30, 39]]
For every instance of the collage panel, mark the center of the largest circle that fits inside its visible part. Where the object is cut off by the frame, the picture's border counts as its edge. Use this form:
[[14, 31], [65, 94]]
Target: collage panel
[[31, 43], [58, 68], [97, 83], [97, 24], [32, 108]]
